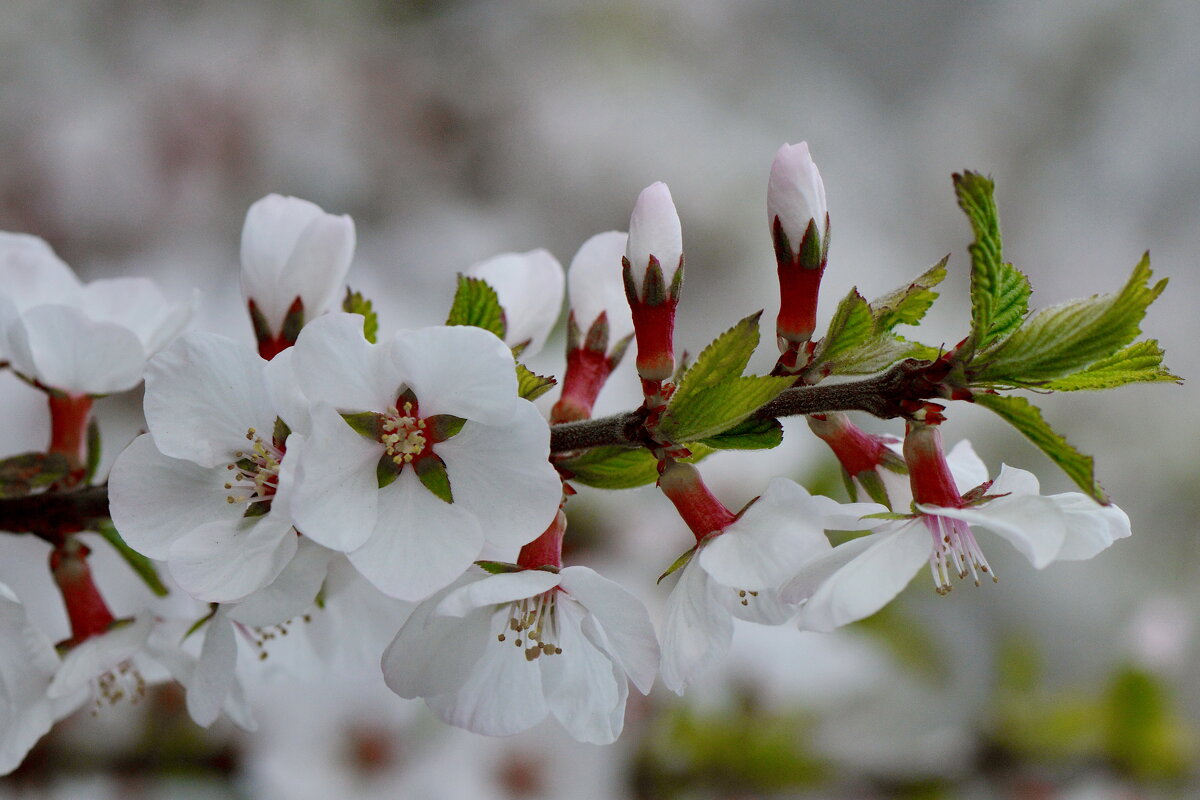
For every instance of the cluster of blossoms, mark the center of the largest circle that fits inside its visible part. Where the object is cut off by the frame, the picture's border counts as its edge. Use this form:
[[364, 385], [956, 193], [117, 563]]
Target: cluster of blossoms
[[411, 471]]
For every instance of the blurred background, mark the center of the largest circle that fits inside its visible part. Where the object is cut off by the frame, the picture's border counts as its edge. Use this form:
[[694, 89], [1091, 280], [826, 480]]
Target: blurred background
[[135, 134]]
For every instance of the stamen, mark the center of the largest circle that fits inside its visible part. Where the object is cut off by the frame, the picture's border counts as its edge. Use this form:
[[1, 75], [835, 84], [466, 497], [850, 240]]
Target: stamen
[[537, 619], [402, 435], [256, 473], [955, 551]]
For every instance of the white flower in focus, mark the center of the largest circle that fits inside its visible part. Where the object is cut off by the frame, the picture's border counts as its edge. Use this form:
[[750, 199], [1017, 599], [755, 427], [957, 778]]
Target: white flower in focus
[[496, 653], [207, 489], [81, 339], [292, 250], [858, 578], [795, 194], [530, 289], [27, 665], [654, 230], [737, 573], [420, 452], [594, 285]]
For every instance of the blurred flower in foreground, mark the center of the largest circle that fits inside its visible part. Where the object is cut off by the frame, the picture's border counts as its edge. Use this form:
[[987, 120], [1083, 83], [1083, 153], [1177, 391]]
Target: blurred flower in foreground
[[27, 665], [563, 643]]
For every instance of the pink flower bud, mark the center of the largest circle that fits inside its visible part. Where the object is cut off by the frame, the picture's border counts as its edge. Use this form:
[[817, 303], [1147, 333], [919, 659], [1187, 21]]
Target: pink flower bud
[[654, 232]]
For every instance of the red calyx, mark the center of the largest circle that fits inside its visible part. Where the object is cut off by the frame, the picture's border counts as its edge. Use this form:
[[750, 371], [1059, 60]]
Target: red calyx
[[86, 609]]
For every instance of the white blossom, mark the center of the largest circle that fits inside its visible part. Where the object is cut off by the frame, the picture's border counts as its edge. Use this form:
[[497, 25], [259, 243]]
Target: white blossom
[[795, 193], [530, 289], [654, 230], [594, 285]]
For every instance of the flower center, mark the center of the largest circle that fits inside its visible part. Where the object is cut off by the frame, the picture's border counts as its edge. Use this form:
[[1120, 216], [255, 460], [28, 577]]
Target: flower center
[[954, 551], [402, 434], [255, 475], [744, 597], [120, 682], [536, 620]]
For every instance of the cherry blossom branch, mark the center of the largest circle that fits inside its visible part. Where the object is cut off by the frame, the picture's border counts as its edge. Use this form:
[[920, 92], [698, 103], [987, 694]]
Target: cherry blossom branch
[[884, 395], [52, 514]]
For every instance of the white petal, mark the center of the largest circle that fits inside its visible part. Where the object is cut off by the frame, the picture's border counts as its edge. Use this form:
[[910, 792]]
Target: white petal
[[97, 655], [316, 269], [222, 562], [63, 349], [501, 474], [434, 654], [155, 499], [966, 466], [501, 696], [1033, 525], [273, 226], [213, 677], [202, 394], [335, 492], [878, 567], [837, 516], [136, 304], [420, 542], [457, 370], [32, 275], [764, 608], [530, 289], [795, 193], [1088, 526], [581, 688], [1015, 482], [285, 392], [27, 664], [291, 593], [697, 628], [595, 286], [777, 534], [496, 589], [624, 620], [654, 231], [333, 363]]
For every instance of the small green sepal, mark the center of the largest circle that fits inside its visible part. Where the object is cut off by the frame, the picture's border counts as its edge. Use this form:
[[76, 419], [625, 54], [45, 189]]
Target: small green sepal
[[432, 472]]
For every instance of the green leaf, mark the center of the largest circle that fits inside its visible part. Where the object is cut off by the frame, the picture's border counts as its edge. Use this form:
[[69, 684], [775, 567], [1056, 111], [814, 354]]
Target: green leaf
[[717, 408], [999, 292], [368, 424], [1138, 363], [725, 357], [530, 385], [355, 303], [908, 304], [852, 325], [678, 564], [613, 467], [142, 566], [1058, 341], [1027, 418], [93, 451], [476, 304], [21, 474], [874, 355], [750, 434], [497, 567], [432, 472]]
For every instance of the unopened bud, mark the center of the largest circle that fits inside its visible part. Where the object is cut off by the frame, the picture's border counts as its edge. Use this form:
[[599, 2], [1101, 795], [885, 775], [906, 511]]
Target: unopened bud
[[530, 289]]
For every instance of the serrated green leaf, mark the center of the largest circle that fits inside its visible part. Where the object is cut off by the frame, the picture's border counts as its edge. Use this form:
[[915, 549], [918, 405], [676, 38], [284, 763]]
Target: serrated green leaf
[[476, 304], [141, 566], [1027, 418], [1139, 363], [21, 474], [908, 304], [874, 355], [718, 408], [851, 327], [999, 292], [725, 357], [355, 303], [613, 467], [1058, 341], [750, 434], [530, 385]]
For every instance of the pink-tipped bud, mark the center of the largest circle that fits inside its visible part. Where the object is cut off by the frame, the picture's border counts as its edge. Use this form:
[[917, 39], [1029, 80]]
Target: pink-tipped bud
[[799, 222], [530, 289], [653, 274], [654, 232]]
